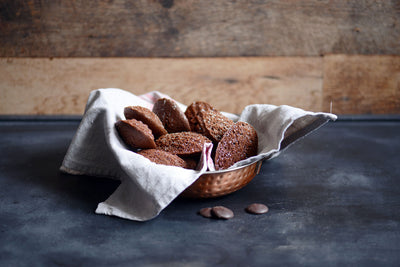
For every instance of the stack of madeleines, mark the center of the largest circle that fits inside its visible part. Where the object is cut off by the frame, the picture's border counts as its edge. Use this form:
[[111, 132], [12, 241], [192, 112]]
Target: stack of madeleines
[[167, 135]]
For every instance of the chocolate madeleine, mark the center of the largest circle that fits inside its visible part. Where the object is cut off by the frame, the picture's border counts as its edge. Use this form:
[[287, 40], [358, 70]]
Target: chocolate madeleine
[[208, 121], [182, 143], [146, 116], [238, 143], [162, 157], [172, 117], [135, 134], [193, 114]]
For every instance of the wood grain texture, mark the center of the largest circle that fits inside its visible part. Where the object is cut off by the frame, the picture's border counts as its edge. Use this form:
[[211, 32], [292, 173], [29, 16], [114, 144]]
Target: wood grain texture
[[62, 85], [189, 28], [362, 84]]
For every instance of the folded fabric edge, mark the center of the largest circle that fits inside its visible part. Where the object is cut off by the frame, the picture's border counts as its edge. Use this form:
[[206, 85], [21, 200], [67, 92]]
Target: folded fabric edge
[[320, 120], [105, 209], [128, 202], [70, 171]]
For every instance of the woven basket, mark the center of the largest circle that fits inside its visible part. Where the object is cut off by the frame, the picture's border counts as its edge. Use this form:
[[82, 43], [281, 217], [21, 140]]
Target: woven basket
[[219, 183]]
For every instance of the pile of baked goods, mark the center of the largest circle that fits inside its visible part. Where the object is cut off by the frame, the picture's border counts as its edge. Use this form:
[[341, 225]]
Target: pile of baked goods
[[167, 135]]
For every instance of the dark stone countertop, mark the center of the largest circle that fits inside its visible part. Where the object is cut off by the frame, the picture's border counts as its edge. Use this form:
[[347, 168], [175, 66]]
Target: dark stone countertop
[[334, 199]]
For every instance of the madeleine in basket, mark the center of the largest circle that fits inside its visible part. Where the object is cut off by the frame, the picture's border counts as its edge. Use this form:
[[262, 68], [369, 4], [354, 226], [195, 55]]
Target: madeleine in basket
[[181, 135]]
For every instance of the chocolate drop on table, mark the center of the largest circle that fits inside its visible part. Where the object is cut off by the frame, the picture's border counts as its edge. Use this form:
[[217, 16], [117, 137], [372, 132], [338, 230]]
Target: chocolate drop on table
[[205, 212], [222, 212], [257, 208]]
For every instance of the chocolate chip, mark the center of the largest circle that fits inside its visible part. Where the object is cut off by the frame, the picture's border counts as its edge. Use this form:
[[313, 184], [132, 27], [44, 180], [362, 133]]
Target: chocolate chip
[[222, 212], [257, 208], [205, 212]]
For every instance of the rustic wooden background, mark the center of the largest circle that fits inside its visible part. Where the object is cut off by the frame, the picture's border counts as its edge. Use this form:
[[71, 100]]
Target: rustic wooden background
[[310, 54]]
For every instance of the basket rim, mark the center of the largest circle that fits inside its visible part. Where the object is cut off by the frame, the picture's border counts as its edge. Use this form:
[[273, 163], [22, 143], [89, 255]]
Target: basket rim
[[233, 169]]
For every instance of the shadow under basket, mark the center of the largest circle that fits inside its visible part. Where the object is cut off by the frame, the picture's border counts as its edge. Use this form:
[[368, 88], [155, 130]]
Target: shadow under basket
[[219, 183]]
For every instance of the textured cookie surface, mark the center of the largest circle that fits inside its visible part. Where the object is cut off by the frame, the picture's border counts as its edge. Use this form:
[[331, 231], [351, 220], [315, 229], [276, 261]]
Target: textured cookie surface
[[135, 133], [146, 116], [216, 124], [193, 114], [208, 121], [172, 117], [182, 143], [238, 143], [191, 162], [162, 157]]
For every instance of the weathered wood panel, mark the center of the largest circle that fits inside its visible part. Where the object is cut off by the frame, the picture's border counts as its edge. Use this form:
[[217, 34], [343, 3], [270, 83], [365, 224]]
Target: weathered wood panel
[[181, 28], [362, 84], [62, 85]]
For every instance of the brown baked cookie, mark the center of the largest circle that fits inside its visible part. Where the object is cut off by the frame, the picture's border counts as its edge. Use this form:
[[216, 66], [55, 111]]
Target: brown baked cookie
[[193, 112], [182, 143], [216, 124], [191, 162], [172, 117], [135, 133], [146, 116], [238, 143], [208, 121], [162, 157]]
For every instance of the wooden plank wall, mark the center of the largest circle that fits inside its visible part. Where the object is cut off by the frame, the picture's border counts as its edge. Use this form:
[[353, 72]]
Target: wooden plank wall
[[231, 53]]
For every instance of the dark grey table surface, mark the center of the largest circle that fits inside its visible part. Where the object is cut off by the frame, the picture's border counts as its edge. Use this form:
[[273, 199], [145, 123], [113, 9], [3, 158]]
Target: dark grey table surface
[[334, 199]]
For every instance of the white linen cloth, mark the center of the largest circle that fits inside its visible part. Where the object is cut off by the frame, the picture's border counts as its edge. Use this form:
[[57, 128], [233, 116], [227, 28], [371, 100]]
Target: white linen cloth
[[147, 188]]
